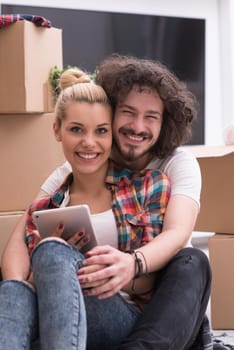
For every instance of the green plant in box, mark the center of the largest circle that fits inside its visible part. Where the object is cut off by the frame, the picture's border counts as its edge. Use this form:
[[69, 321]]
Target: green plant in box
[[54, 77]]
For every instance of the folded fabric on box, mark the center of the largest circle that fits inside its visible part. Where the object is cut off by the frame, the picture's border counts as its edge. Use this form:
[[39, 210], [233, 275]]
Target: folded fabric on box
[[39, 21]]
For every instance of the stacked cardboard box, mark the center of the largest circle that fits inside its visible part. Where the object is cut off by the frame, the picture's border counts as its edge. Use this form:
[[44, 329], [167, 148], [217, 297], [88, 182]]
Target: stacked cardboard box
[[28, 150], [216, 215], [27, 55]]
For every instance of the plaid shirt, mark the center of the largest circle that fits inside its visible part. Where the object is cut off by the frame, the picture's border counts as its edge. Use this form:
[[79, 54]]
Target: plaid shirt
[[139, 203]]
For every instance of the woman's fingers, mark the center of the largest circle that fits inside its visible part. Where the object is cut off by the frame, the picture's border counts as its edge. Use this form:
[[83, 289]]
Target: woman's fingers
[[79, 240], [58, 230]]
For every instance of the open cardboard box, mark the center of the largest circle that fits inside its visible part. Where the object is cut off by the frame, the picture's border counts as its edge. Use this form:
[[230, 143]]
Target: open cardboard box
[[27, 55], [217, 196], [216, 215]]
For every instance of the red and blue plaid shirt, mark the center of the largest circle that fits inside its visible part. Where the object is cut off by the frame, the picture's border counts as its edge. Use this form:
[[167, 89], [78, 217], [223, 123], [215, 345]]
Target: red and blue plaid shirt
[[139, 201]]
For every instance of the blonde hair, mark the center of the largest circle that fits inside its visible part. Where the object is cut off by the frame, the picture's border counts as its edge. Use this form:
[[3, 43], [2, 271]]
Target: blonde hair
[[77, 86]]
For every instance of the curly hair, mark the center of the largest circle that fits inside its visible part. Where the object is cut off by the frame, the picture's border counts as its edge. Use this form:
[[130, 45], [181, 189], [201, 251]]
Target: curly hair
[[117, 74]]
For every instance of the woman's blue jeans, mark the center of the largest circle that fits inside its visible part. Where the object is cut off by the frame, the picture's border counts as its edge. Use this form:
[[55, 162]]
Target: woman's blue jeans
[[57, 316]]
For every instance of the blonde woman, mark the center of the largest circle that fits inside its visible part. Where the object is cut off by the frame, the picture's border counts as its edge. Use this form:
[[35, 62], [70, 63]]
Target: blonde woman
[[76, 301]]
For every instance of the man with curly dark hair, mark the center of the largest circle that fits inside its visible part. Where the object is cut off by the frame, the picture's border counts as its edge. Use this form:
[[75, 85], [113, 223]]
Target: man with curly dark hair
[[120, 75], [153, 115]]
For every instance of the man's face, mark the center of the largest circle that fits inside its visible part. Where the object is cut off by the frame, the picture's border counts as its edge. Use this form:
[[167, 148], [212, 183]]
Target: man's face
[[136, 127]]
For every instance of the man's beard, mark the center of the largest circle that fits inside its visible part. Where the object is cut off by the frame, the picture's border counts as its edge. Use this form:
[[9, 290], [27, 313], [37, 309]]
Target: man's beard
[[131, 154]]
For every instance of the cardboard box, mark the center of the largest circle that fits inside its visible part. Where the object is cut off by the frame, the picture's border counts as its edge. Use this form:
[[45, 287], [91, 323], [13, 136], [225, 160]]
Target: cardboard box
[[221, 253], [27, 54], [8, 222], [217, 196], [216, 215], [28, 153]]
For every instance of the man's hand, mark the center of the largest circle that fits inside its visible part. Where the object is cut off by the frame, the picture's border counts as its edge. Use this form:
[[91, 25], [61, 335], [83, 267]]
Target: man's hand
[[106, 270]]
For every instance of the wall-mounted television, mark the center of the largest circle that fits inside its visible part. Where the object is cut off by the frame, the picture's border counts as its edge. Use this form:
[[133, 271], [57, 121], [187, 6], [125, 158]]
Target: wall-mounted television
[[90, 36]]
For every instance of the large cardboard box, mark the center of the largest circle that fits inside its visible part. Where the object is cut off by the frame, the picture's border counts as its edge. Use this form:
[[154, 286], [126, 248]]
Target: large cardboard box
[[216, 215], [28, 153], [221, 253], [8, 222], [217, 196], [27, 54]]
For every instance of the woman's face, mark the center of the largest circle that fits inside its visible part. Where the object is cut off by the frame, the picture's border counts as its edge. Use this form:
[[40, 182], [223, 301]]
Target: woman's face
[[86, 136]]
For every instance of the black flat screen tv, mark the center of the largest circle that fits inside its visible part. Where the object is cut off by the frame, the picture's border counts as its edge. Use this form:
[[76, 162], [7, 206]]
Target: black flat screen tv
[[90, 36]]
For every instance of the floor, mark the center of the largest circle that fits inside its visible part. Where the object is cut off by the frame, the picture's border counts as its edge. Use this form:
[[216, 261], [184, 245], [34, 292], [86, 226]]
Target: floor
[[200, 240]]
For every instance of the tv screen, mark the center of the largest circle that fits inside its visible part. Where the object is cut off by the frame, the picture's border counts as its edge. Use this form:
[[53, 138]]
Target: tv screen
[[90, 36]]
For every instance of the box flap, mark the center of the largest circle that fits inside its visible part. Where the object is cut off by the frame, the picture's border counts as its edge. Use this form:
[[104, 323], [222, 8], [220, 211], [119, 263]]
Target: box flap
[[210, 151], [217, 195], [10, 213]]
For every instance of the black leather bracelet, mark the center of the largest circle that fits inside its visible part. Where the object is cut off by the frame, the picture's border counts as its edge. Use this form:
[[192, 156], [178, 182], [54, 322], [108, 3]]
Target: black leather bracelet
[[139, 266]]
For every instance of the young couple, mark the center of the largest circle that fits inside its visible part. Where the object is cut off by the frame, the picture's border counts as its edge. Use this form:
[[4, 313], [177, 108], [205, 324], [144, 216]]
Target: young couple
[[144, 223]]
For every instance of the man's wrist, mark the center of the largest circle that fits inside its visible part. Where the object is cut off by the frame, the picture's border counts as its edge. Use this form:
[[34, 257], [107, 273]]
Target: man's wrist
[[140, 265]]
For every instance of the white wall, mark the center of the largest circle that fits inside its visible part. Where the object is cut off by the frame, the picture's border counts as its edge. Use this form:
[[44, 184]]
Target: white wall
[[226, 8], [219, 107]]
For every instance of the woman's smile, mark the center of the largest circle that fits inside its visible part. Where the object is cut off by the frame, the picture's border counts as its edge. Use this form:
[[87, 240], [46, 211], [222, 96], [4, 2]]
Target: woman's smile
[[87, 156]]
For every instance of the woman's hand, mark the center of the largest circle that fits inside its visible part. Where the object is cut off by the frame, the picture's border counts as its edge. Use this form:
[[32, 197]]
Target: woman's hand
[[78, 239], [106, 270]]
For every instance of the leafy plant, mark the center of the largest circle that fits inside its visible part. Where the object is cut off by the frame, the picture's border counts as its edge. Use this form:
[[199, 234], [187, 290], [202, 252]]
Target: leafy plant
[[54, 77]]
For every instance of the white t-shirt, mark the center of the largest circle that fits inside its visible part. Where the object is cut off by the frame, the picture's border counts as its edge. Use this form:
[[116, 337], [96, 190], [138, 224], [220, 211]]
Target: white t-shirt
[[181, 167], [183, 171]]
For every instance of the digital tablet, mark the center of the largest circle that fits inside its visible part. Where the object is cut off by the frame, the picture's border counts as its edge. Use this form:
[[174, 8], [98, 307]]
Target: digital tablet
[[74, 218]]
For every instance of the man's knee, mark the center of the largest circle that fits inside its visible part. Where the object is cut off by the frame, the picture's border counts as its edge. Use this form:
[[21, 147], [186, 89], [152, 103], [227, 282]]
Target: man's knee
[[194, 257], [191, 265]]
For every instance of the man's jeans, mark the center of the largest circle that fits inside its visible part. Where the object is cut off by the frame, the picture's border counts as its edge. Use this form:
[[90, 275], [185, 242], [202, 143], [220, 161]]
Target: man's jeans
[[174, 316], [57, 310]]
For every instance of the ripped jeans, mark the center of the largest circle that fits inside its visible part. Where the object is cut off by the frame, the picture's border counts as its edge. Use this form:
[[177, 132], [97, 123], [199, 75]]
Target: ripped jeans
[[175, 317], [57, 316]]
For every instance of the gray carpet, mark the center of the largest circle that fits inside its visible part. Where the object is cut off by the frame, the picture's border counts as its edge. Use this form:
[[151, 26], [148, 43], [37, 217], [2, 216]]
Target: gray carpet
[[225, 338]]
